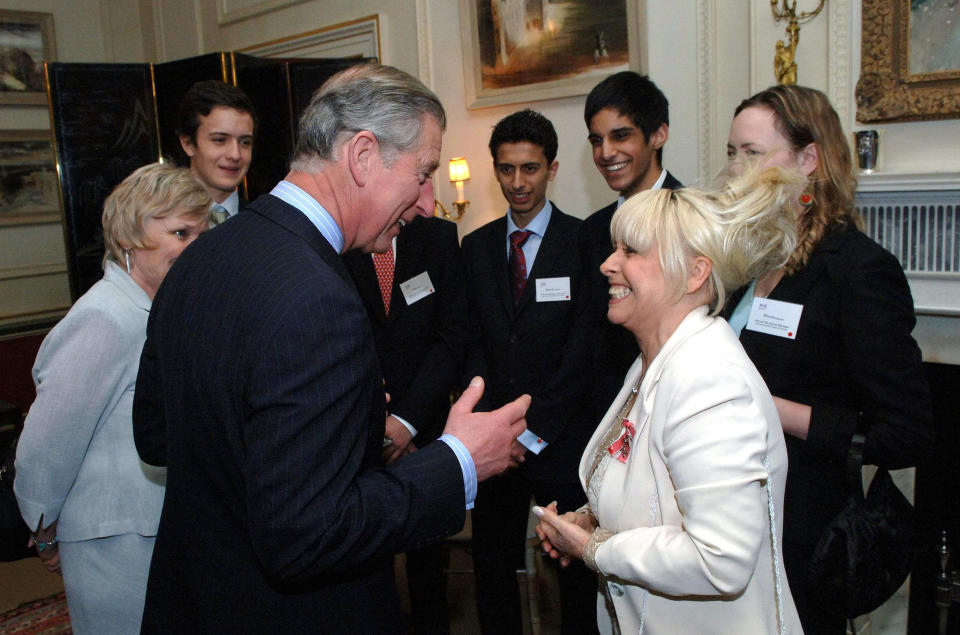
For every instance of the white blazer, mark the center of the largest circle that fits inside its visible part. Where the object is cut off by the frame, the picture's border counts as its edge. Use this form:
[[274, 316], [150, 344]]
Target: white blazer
[[692, 550], [76, 460]]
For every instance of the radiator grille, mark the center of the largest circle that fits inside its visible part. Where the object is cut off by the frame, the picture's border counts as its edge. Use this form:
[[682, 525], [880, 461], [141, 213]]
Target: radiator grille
[[922, 229]]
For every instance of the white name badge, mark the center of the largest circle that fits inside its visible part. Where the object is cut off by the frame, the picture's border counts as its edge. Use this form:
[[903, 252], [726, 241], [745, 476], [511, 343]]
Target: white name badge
[[417, 288], [553, 289], [774, 317]]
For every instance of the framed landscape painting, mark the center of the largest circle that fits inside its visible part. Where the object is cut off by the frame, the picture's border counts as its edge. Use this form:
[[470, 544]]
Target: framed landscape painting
[[528, 50], [29, 190], [26, 42]]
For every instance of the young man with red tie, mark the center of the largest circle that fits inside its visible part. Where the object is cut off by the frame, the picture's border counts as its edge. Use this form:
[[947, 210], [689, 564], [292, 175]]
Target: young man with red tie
[[526, 286]]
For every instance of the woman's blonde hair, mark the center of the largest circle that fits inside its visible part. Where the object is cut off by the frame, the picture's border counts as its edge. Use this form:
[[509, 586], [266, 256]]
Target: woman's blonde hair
[[804, 116], [152, 191], [745, 228]]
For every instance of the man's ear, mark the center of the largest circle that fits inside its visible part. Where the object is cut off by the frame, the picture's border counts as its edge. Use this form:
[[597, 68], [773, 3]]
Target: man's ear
[[809, 159], [659, 136], [189, 147], [552, 170], [362, 152], [699, 273]]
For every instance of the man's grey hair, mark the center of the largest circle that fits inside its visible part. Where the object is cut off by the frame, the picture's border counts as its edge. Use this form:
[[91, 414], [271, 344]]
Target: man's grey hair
[[383, 100]]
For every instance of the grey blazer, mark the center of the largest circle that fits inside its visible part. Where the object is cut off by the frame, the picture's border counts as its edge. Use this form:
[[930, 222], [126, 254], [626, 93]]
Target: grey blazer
[[76, 460]]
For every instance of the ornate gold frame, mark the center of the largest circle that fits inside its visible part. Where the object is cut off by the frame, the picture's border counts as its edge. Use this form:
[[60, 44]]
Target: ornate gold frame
[[886, 90]]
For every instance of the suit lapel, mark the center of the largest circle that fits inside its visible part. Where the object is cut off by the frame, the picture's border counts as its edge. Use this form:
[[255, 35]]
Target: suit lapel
[[409, 262], [365, 275], [797, 287], [496, 248], [296, 222]]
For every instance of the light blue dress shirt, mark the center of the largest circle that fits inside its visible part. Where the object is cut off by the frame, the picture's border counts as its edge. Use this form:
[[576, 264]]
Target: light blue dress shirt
[[738, 319]]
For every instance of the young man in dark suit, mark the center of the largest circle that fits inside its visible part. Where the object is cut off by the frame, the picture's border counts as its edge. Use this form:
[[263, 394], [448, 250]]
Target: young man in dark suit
[[415, 296], [628, 124], [216, 123], [527, 294], [259, 389]]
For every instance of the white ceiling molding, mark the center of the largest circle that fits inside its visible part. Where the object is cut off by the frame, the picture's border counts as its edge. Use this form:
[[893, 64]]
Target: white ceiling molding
[[229, 11]]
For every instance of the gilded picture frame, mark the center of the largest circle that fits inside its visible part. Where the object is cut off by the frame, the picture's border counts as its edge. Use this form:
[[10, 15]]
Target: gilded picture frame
[[26, 42], [888, 90]]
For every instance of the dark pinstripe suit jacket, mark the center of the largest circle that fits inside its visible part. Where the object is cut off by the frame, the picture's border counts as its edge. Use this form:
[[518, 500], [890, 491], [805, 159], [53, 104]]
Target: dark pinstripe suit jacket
[[260, 390]]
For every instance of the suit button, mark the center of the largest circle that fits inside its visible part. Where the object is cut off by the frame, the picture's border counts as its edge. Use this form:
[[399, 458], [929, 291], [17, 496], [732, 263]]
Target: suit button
[[514, 339], [615, 589]]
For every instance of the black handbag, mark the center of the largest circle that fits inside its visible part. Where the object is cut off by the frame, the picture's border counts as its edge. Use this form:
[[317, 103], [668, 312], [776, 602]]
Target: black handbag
[[14, 533], [867, 551]]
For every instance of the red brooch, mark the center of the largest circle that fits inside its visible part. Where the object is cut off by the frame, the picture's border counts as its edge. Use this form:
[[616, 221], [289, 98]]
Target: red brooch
[[620, 449]]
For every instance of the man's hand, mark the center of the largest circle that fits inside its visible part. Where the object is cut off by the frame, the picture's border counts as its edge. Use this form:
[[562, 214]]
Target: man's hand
[[490, 437], [402, 440]]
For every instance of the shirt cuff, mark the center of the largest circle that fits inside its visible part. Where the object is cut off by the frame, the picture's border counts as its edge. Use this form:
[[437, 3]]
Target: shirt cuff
[[466, 466], [532, 442], [406, 424]]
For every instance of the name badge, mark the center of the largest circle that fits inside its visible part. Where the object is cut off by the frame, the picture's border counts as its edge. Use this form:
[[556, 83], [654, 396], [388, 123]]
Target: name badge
[[417, 288], [774, 317], [553, 289]]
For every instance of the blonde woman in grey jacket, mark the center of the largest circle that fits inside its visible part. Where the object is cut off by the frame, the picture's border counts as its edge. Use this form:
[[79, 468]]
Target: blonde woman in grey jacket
[[93, 504]]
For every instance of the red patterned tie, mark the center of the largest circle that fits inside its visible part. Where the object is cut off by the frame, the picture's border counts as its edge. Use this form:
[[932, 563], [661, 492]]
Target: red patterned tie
[[518, 264], [383, 263]]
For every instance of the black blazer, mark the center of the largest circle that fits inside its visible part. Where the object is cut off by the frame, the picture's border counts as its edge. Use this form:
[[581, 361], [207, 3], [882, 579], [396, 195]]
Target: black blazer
[[420, 346], [259, 388], [853, 358], [615, 347], [535, 347]]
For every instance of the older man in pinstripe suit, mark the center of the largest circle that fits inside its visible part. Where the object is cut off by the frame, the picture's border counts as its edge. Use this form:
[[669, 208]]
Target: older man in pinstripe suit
[[260, 390]]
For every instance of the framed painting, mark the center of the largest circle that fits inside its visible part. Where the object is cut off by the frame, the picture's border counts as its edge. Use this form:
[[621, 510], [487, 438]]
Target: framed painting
[[26, 42], [529, 50], [910, 61], [29, 189]]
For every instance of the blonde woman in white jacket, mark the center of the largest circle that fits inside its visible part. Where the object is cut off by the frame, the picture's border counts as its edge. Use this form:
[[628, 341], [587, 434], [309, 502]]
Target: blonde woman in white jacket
[[685, 474]]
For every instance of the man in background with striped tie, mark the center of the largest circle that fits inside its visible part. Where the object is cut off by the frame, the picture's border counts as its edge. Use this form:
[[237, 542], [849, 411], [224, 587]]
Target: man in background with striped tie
[[416, 298], [215, 125]]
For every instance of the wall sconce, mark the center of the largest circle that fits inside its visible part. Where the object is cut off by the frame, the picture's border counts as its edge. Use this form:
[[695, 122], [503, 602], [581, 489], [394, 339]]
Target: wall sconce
[[784, 60], [459, 172]]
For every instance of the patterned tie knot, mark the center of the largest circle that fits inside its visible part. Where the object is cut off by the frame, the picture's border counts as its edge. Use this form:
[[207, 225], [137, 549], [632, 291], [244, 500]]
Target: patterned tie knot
[[219, 214], [519, 237]]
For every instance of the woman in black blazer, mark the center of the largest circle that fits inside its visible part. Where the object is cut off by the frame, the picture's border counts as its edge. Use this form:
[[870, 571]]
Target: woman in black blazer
[[848, 359]]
